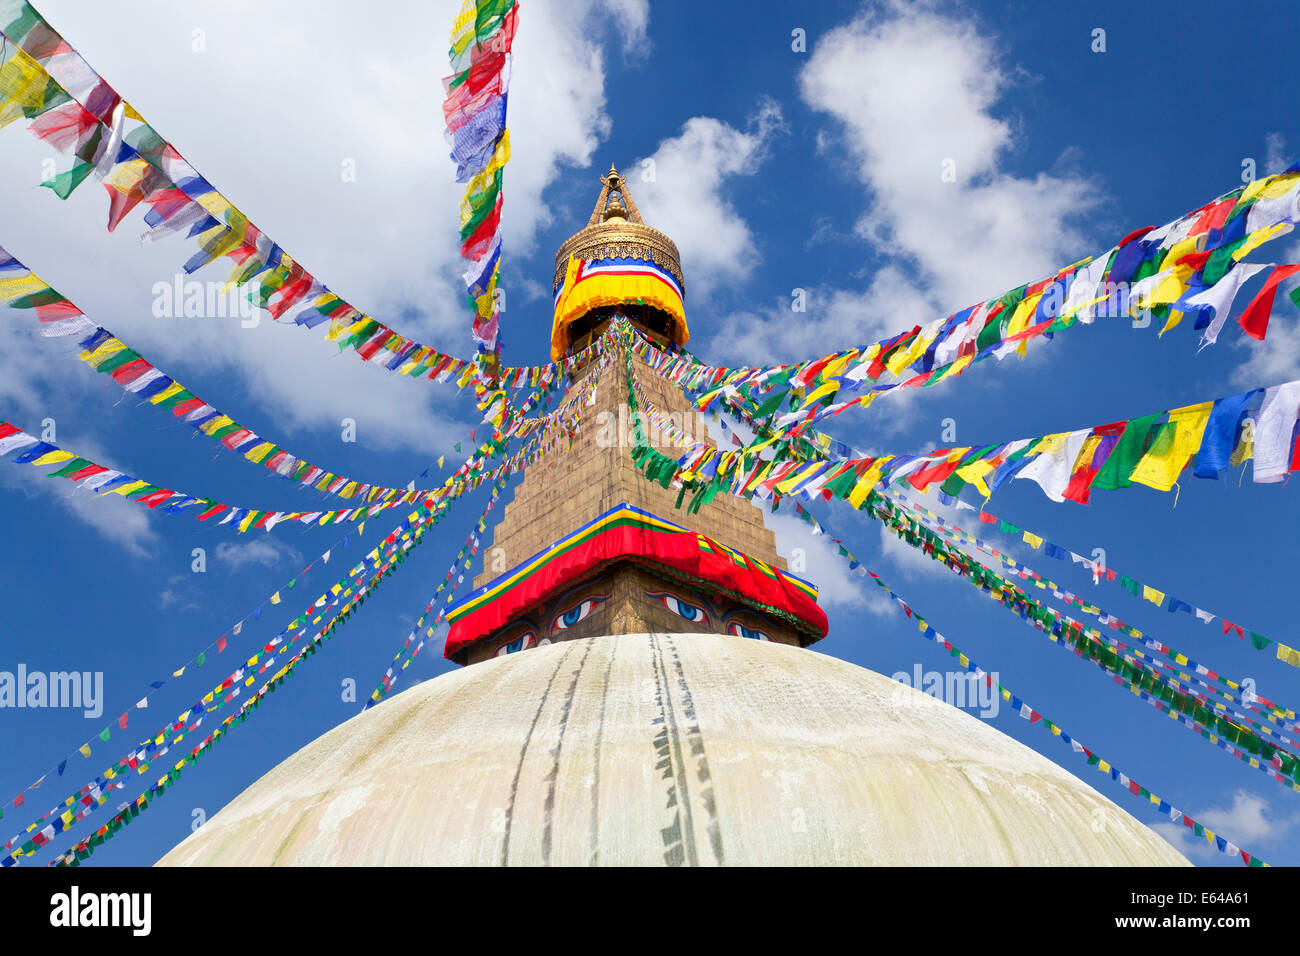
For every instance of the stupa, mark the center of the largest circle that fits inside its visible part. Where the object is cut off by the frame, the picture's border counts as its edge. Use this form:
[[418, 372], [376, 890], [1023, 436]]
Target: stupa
[[639, 688]]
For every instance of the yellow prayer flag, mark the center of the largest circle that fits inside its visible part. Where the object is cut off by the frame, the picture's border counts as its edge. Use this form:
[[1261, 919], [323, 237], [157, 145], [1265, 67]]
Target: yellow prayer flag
[[902, 358], [1174, 318], [1151, 594], [1167, 290], [215, 424], [868, 482], [166, 393], [829, 388], [1258, 238], [259, 451], [25, 285], [975, 472], [104, 352], [54, 457], [1169, 454], [127, 488]]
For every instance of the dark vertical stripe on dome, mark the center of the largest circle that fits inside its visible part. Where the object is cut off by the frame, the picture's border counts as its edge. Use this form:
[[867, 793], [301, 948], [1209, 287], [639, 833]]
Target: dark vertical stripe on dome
[[523, 750], [595, 758], [695, 741], [679, 837], [565, 709]]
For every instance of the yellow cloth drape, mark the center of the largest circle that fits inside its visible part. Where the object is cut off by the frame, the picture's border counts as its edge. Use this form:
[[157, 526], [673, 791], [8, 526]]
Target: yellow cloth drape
[[596, 291]]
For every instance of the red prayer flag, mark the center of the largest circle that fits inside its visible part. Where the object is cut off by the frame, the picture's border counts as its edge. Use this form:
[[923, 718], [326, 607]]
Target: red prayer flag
[[187, 406], [129, 372], [1135, 235], [1254, 320]]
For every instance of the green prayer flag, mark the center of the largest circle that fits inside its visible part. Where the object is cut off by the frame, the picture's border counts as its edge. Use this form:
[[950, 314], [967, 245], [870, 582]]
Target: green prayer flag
[[70, 468], [1128, 451], [773, 403], [64, 183]]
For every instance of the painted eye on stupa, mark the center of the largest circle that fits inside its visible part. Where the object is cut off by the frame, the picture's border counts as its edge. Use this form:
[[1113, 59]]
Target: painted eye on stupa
[[739, 630], [682, 609], [578, 612], [520, 643]]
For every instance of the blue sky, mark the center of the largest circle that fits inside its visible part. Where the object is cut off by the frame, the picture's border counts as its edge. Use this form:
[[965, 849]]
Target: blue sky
[[773, 170]]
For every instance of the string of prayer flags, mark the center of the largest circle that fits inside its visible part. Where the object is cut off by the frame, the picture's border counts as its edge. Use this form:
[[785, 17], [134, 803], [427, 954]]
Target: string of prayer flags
[[1100, 572], [1034, 716], [395, 547], [1231, 732], [108, 355], [102, 481], [475, 111], [1185, 667], [1221, 685], [1152, 450], [422, 631]]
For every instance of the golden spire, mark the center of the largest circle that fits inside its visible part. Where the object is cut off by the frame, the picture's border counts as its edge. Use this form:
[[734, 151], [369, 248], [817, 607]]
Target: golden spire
[[615, 203]]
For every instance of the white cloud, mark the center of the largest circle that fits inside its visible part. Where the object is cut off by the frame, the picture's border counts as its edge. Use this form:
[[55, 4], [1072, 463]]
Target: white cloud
[[1250, 822], [909, 90], [912, 89], [821, 563], [632, 18], [1275, 155], [117, 519], [123, 522], [262, 552], [686, 198], [180, 593], [910, 562], [834, 318]]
